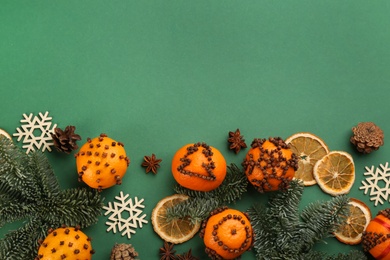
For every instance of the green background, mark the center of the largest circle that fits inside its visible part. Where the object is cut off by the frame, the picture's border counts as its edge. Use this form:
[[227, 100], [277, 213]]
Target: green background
[[156, 75]]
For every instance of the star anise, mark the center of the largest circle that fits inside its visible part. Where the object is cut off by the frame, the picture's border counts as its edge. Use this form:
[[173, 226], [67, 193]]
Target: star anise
[[151, 163], [236, 141], [186, 256], [167, 252]]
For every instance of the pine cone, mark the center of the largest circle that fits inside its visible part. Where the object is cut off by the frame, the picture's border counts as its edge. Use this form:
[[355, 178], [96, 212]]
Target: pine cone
[[123, 252], [367, 137], [65, 141]]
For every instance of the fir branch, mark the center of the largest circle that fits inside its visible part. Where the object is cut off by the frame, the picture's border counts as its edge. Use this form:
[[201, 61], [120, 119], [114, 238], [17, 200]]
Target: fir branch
[[353, 254], [29, 191], [263, 244], [196, 209], [11, 158], [47, 183], [23, 242], [11, 211], [231, 189], [78, 206], [200, 204], [321, 219], [14, 183], [282, 233], [283, 209]]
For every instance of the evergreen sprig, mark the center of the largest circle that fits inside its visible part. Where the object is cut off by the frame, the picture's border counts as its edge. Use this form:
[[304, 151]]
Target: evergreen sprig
[[199, 204], [282, 232], [30, 192], [351, 255]]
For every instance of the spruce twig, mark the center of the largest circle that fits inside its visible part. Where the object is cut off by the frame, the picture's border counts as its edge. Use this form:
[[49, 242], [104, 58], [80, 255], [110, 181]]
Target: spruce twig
[[281, 232], [353, 254], [200, 204], [30, 192]]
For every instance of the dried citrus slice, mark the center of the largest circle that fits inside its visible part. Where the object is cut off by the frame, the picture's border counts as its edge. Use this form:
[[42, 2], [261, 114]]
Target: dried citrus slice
[[309, 149], [175, 231], [3, 132], [351, 232], [335, 173]]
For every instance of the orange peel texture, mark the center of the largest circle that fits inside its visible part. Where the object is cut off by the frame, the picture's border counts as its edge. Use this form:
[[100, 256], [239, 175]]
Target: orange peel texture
[[65, 243], [227, 234], [376, 237], [270, 165], [199, 167], [102, 162]]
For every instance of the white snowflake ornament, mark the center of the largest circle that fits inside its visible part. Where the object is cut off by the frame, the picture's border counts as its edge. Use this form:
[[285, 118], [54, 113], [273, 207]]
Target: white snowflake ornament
[[125, 215], [36, 132], [378, 183]]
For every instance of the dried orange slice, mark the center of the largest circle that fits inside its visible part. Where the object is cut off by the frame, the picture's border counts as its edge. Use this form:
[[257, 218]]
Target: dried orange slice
[[309, 149], [335, 173], [352, 230], [3, 132], [175, 231]]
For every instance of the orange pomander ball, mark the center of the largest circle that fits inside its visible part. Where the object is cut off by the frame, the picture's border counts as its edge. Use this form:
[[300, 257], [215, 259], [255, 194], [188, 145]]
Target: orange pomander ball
[[65, 243], [376, 237], [199, 167], [227, 234], [102, 162], [270, 165]]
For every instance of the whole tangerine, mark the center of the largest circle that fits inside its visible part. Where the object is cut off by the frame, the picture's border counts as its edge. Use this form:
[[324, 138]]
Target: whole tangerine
[[227, 233], [65, 243], [270, 165], [199, 167], [102, 162], [376, 237]]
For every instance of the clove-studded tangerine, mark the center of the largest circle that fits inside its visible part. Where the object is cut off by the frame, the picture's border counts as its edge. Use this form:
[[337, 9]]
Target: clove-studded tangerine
[[227, 233], [102, 162], [65, 243], [199, 167], [270, 164], [376, 237]]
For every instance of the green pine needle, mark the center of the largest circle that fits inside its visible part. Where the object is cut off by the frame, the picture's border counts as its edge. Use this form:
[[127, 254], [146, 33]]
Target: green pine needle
[[200, 204], [353, 254], [282, 232], [30, 192]]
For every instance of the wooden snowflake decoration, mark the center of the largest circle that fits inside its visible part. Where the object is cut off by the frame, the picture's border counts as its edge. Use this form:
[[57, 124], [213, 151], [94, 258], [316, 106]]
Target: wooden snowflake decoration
[[125, 215], [377, 183]]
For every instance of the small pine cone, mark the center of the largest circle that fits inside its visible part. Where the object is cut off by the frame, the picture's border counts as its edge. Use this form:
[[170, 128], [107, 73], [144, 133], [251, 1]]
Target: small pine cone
[[367, 137], [65, 141], [123, 252]]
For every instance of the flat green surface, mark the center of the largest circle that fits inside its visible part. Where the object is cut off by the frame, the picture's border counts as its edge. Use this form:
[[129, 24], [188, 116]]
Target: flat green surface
[[156, 75]]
